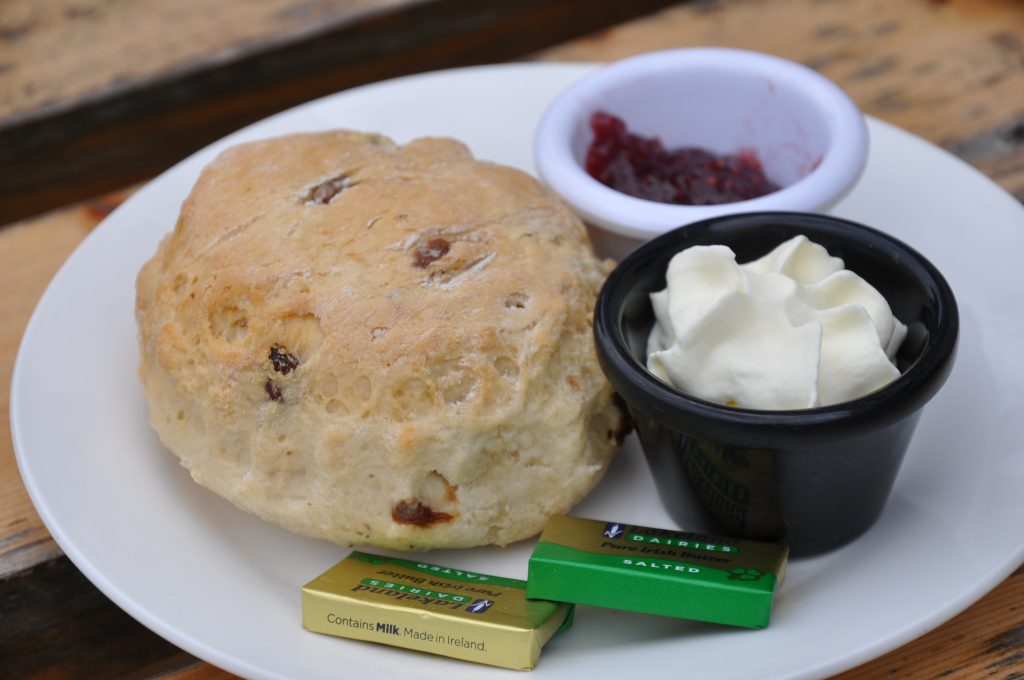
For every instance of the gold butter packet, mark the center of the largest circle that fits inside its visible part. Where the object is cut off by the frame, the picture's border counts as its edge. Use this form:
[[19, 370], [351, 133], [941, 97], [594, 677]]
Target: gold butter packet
[[430, 608]]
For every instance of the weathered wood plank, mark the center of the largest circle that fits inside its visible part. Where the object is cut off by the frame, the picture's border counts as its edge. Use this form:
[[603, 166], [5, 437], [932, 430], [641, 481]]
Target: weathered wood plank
[[987, 640], [30, 254], [199, 671], [134, 122], [58, 53], [57, 625]]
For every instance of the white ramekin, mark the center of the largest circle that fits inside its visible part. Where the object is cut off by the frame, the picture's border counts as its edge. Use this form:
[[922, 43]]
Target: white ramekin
[[811, 139]]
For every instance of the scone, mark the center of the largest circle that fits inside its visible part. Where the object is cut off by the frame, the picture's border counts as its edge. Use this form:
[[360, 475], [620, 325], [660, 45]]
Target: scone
[[378, 344]]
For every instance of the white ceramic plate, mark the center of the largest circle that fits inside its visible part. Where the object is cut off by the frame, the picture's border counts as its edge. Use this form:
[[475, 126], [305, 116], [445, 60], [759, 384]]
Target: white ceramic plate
[[225, 585]]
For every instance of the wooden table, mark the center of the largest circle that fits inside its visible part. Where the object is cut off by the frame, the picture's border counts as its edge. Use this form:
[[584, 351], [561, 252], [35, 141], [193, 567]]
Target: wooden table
[[98, 95]]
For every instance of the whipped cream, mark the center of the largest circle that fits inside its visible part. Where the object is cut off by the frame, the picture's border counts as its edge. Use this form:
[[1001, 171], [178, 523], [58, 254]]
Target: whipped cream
[[793, 329]]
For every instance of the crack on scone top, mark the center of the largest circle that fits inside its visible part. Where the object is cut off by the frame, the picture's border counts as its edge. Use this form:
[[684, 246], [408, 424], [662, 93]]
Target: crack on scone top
[[434, 250], [450, 277], [326, 191]]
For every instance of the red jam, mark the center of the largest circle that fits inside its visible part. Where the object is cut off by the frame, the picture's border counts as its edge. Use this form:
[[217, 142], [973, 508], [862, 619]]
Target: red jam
[[644, 168]]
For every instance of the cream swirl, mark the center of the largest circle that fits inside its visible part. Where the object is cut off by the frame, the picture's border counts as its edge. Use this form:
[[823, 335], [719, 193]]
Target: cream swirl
[[793, 329]]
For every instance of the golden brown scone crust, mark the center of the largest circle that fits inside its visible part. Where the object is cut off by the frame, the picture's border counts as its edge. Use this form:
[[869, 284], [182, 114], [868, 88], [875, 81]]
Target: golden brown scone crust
[[406, 363]]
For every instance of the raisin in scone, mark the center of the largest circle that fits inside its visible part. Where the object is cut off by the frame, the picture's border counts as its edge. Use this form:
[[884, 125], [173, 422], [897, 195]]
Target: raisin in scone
[[378, 344]]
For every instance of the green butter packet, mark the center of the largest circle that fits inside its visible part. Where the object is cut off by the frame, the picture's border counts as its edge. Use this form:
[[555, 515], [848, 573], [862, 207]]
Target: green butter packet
[[656, 571]]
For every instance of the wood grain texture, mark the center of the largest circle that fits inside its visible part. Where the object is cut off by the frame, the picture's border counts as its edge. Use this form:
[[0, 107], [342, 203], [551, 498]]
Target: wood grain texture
[[55, 54], [57, 625], [199, 671], [30, 254], [140, 112], [985, 641]]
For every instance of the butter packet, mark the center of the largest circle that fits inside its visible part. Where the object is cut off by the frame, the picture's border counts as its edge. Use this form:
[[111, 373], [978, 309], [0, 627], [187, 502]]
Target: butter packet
[[656, 571], [429, 608]]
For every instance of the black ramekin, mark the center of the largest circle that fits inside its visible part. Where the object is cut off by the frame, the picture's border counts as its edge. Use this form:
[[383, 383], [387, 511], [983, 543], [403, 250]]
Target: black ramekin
[[813, 478]]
